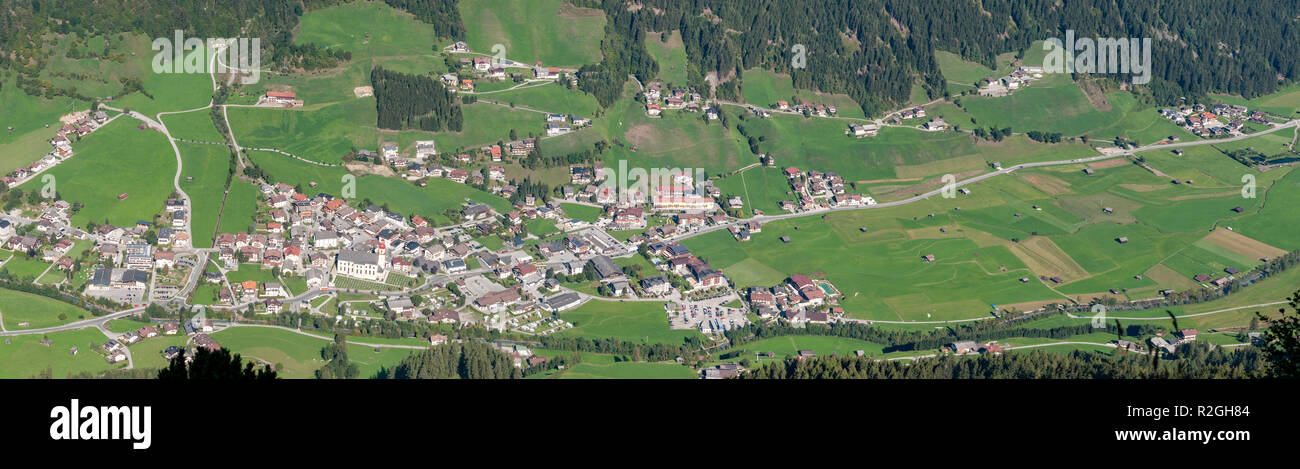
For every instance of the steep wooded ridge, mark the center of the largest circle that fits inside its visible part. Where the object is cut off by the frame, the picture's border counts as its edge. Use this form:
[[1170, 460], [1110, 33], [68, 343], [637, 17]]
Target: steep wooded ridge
[[872, 50]]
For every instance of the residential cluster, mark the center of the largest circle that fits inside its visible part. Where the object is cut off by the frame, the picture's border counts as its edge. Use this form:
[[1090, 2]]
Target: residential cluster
[[819, 190], [1221, 120], [76, 125]]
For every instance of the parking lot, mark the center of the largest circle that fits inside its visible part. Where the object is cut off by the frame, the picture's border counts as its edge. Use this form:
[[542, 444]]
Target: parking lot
[[691, 315]]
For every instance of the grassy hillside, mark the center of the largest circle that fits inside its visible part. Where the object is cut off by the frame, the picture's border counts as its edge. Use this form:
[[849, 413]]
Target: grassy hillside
[[553, 32]]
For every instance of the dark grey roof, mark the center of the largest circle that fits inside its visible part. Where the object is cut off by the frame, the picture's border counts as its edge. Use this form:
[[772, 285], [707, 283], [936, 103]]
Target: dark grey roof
[[102, 277], [358, 257], [562, 300], [132, 275], [605, 267]]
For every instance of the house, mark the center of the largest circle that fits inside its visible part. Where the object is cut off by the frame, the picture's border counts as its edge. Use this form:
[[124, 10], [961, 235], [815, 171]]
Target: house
[[498, 301], [444, 316], [657, 285], [454, 266], [1188, 335]]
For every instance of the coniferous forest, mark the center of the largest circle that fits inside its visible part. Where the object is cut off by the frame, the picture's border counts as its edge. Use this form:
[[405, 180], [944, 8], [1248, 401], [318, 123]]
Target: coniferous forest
[[872, 50], [409, 101], [467, 360]]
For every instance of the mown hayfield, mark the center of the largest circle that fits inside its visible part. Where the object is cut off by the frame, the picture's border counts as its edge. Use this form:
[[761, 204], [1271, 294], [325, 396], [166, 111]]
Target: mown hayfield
[[581, 212], [113, 160], [1138, 123], [896, 284], [1115, 265], [761, 188], [209, 166], [553, 32], [240, 208], [679, 139], [193, 125], [640, 321], [1241, 244], [323, 134], [549, 97], [821, 144], [1045, 258], [37, 311], [1277, 219], [25, 357], [486, 124]]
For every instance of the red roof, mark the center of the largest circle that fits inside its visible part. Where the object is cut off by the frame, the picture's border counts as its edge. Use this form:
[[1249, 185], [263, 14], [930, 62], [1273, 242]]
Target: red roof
[[280, 94]]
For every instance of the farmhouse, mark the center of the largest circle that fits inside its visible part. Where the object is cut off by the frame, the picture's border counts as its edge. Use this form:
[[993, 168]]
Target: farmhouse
[[863, 130]]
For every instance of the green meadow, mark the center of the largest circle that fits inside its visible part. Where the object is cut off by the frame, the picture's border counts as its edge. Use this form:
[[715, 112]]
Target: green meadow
[[208, 165], [193, 125], [28, 115], [1054, 103], [240, 209], [26, 357], [113, 160], [639, 321], [979, 239], [669, 52], [298, 356], [967, 74], [764, 88], [553, 32], [324, 134], [582, 212], [1285, 102], [37, 311]]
